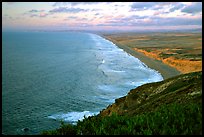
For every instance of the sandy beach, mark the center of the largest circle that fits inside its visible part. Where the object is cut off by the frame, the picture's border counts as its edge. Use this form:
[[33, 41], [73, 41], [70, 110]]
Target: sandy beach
[[165, 70]]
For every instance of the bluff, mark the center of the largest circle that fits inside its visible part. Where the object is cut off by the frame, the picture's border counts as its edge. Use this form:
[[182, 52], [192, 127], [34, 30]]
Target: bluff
[[169, 107], [149, 97]]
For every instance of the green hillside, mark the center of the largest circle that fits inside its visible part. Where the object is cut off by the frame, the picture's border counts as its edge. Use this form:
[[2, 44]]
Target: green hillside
[[169, 107]]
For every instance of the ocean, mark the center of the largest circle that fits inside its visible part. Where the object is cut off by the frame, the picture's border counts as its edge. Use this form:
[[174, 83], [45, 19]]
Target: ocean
[[49, 77]]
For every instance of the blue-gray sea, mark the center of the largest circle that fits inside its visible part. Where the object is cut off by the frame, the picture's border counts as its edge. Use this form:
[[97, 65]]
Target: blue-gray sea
[[52, 76]]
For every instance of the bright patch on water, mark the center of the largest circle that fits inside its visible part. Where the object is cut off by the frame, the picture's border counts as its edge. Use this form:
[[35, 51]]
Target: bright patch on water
[[73, 117]]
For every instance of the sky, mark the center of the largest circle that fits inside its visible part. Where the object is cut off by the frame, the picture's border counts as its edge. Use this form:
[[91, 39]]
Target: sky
[[101, 15]]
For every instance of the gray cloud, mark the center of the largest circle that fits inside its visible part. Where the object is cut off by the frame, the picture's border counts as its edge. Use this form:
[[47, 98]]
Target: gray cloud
[[156, 6], [176, 7], [124, 21], [149, 5], [96, 10], [6, 16], [131, 18], [10, 18], [84, 3], [65, 9], [97, 14], [152, 21], [138, 17], [34, 11], [75, 18], [142, 5], [194, 8], [41, 15], [33, 15], [113, 23], [173, 21], [72, 17], [58, 3], [85, 25], [73, 3]]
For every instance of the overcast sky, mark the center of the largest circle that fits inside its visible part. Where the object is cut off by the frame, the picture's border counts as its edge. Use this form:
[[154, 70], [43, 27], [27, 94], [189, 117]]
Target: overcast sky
[[101, 15]]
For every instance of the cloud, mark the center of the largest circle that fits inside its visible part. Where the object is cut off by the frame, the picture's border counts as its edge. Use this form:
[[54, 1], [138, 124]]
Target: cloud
[[176, 7], [174, 21], [157, 6], [39, 15], [34, 11], [142, 5], [135, 20], [69, 10], [84, 3], [73, 3], [194, 8], [33, 15], [97, 14], [160, 14], [43, 14], [138, 17], [72, 17], [84, 25], [6, 16], [77, 19], [112, 24], [122, 21], [58, 4]]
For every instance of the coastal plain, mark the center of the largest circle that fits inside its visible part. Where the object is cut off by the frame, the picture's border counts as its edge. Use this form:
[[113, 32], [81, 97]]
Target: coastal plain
[[170, 53]]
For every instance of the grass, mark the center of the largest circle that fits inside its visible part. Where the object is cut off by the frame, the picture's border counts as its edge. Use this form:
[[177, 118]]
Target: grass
[[171, 119], [178, 50]]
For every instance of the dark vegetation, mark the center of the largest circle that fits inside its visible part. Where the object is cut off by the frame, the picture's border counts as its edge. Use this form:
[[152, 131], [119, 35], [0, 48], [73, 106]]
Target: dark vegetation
[[172, 119], [169, 107]]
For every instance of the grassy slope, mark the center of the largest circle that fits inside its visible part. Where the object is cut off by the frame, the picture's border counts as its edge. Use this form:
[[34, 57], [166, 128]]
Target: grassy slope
[[172, 106], [148, 97]]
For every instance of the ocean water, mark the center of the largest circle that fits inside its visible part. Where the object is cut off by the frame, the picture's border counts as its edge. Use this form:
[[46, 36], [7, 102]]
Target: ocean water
[[52, 76]]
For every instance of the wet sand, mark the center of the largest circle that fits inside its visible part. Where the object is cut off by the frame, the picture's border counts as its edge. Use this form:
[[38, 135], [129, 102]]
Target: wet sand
[[165, 70]]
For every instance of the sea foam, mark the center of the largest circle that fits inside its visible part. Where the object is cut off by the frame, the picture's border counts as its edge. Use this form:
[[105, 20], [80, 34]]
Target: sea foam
[[72, 117], [122, 72]]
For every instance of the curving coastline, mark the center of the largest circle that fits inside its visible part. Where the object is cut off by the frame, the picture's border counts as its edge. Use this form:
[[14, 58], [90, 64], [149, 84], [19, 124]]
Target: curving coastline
[[165, 70], [131, 114]]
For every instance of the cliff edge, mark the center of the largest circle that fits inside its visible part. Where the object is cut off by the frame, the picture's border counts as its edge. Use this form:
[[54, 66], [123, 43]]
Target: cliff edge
[[181, 89], [169, 107]]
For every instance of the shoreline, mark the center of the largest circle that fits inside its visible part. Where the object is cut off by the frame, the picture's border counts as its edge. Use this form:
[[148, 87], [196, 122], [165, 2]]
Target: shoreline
[[165, 70]]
